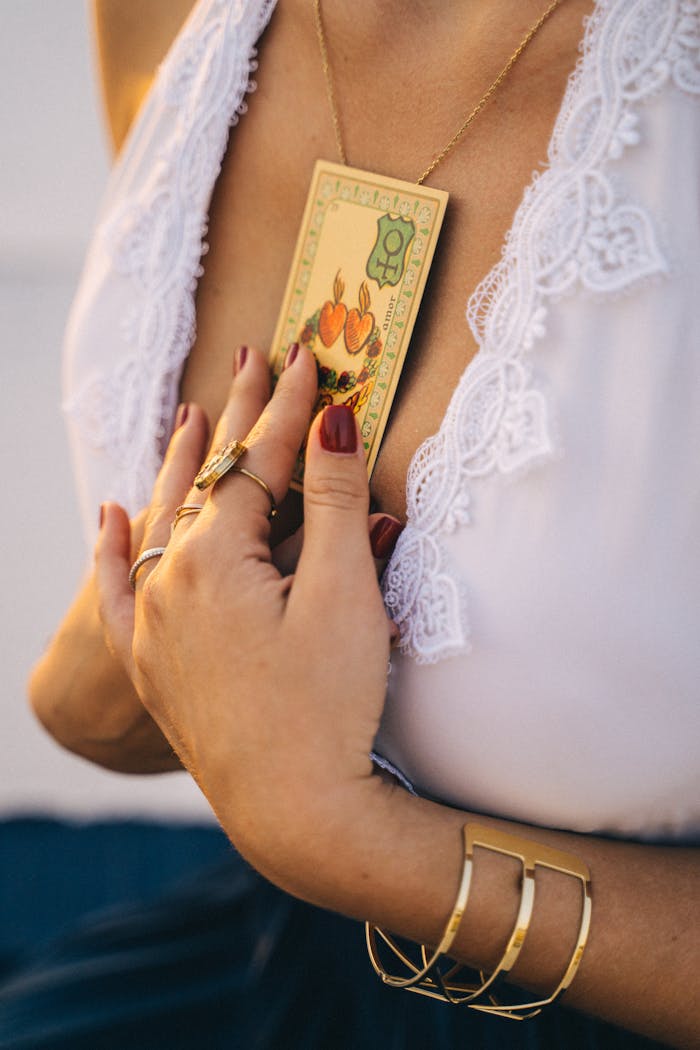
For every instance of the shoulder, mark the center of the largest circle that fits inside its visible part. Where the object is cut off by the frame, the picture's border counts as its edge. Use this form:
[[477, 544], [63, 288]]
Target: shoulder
[[132, 39]]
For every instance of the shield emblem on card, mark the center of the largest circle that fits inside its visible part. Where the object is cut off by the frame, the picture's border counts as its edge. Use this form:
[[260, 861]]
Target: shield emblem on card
[[387, 260]]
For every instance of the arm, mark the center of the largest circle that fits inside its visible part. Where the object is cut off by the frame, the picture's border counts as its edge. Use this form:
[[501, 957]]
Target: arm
[[396, 861], [308, 656]]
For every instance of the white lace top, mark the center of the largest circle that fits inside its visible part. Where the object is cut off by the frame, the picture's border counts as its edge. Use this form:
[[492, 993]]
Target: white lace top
[[550, 660]]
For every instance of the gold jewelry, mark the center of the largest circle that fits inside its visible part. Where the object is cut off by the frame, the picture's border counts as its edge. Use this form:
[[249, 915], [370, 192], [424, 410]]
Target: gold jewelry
[[152, 552], [182, 512], [219, 464], [263, 484], [330, 89], [428, 979]]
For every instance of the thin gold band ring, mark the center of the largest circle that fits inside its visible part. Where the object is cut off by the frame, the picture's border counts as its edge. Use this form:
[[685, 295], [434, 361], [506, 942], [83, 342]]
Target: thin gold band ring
[[263, 485], [183, 511]]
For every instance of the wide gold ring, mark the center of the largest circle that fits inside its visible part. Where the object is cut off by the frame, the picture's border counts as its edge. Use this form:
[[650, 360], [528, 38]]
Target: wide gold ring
[[263, 485], [182, 512], [219, 464]]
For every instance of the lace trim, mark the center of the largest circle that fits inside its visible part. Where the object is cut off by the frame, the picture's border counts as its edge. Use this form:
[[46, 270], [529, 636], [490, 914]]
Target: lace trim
[[154, 237], [572, 229]]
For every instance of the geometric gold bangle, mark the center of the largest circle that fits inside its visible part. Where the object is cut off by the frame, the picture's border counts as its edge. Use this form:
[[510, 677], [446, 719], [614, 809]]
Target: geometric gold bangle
[[532, 855], [427, 978], [420, 974]]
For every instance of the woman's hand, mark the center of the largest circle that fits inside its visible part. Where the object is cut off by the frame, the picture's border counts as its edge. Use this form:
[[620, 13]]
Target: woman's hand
[[276, 704], [80, 690], [270, 689]]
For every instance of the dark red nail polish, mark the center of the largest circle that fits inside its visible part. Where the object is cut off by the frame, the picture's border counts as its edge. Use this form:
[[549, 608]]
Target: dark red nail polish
[[102, 514], [291, 355], [239, 359], [181, 415], [338, 430], [384, 535]]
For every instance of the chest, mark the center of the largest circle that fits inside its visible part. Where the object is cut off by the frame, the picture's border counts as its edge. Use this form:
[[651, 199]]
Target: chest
[[395, 118]]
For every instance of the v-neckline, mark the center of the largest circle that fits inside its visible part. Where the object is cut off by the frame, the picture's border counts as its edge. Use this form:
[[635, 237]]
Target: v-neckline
[[426, 446]]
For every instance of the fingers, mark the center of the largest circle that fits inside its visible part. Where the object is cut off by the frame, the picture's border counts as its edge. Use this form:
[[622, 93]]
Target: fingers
[[248, 395], [383, 534], [115, 596], [272, 444], [250, 389], [181, 462], [384, 531], [285, 555]]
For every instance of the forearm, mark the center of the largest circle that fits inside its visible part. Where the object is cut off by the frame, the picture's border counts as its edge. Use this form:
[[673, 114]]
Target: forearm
[[82, 695], [399, 867]]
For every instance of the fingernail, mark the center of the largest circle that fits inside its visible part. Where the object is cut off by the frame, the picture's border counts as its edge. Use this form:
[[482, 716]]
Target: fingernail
[[291, 355], [102, 514], [239, 359], [338, 431], [384, 535], [181, 415]]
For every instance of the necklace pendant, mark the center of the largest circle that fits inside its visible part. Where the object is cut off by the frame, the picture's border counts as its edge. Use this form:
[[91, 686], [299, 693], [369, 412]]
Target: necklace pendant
[[360, 266]]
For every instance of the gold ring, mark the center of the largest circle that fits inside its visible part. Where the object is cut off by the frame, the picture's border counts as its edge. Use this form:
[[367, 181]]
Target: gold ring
[[219, 464], [183, 511], [263, 485]]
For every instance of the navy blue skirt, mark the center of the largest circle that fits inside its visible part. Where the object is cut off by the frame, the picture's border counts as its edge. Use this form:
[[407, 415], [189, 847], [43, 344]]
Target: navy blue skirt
[[226, 961]]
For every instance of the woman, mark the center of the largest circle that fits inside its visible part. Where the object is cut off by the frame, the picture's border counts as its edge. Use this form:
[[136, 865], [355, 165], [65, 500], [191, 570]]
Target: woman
[[537, 723]]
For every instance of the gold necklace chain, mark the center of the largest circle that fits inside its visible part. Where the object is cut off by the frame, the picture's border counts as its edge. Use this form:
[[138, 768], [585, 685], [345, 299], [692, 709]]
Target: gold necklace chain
[[330, 89]]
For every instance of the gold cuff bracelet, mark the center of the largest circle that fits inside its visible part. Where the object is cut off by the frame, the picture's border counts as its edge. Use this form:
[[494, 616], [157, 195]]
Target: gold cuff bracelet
[[427, 978]]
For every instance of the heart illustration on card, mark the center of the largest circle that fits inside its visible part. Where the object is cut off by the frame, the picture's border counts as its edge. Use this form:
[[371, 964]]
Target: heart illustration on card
[[359, 324], [331, 320]]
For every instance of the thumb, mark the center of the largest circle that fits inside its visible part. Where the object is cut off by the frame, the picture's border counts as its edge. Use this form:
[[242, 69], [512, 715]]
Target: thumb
[[115, 596], [336, 584], [336, 502]]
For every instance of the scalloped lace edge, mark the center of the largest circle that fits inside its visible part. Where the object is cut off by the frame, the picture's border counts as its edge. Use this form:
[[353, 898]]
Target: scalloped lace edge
[[497, 421], [127, 412]]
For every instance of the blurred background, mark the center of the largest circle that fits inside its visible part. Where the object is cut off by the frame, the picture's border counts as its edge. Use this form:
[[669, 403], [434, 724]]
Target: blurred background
[[102, 837], [54, 164]]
